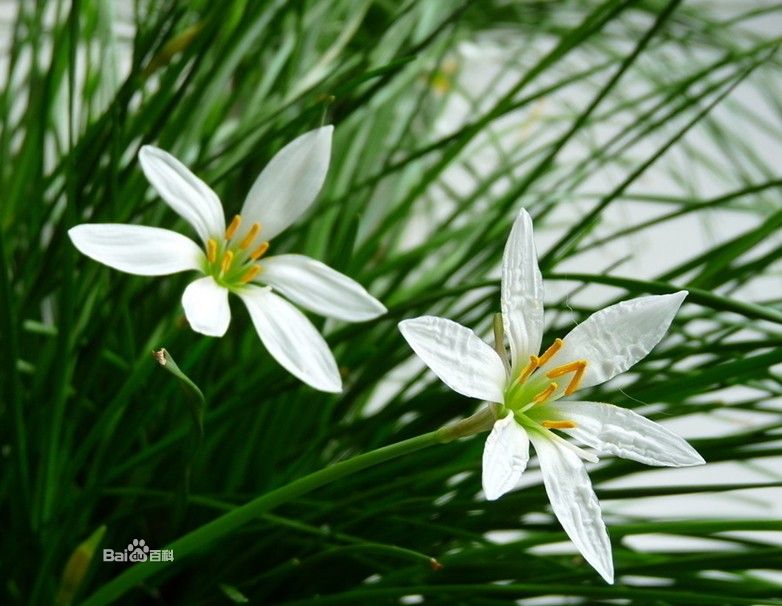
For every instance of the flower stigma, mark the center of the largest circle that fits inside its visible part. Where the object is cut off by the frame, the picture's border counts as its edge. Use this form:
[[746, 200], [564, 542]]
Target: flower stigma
[[233, 264]]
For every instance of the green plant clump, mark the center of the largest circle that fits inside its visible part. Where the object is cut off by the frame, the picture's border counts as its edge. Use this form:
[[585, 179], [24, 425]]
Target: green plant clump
[[641, 136]]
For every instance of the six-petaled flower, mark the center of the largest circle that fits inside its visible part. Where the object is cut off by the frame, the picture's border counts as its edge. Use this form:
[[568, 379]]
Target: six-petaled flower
[[232, 258], [531, 391]]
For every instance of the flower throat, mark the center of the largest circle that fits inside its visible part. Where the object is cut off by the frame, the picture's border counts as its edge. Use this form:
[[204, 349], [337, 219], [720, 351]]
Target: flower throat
[[234, 263], [531, 388]]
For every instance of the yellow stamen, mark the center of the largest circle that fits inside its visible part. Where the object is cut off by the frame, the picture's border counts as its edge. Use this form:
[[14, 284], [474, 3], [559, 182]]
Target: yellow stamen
[[544, 395], [211, 250], [575, 382], [528, 369], [559, 424], [549, 353], [250, 274], [228, 258], [235, 223], [248, 239], [578, 368], [260, 251]]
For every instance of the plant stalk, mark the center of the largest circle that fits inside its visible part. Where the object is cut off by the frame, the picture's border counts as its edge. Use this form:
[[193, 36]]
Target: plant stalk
[[228, 522]]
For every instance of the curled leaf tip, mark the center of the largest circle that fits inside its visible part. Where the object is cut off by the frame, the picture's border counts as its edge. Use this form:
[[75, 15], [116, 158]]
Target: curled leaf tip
[[195, 399]]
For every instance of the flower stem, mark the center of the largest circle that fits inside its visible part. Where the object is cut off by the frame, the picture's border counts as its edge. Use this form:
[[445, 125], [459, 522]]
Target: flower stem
[[228, 522]]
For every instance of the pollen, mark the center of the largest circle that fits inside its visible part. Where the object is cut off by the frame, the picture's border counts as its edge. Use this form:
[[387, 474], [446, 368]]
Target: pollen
[[533, 363], [260, 251], [559, 424], [549, 353], [231, 230], [251, 272], [211, 250], [578, 368], [228, 258], [545, 394], [250, 236]]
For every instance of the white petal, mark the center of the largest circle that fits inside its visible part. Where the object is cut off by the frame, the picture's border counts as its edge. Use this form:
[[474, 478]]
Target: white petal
[[292, 339], [206, 307], [289, 183], [317, 287], [624, 433], [455, 354], [613, 339], [574, 503], [191, 198], [522, 292], [137, 249], [505, 457]]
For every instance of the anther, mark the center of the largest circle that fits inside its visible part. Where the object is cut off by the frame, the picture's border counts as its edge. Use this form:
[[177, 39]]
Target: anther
[[228, 258], [549, 353], [248, 239], [578, 368], [260, 251], [544, 395], [211, 250], [559, 424], [231, 230], [533, 363], [250, 274]]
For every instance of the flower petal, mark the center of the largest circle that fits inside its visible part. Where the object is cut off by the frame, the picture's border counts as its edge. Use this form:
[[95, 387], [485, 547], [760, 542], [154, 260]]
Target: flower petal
[[615, 338], [624, 433], [505, 457], [574, 502], [206, 307], [191, 198], [317, 287], [522, 292], [455, 354], [292, 339], [137, 249], [289, 183]]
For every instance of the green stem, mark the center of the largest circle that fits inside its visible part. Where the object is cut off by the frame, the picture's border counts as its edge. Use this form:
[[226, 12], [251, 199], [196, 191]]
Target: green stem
[[228, 522]]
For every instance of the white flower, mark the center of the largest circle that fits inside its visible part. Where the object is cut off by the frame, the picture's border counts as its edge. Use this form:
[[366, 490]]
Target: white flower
[[534, 392], [230, 258]]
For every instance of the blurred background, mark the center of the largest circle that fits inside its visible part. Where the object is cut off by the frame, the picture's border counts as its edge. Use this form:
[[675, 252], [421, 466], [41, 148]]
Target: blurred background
[[643, 137]]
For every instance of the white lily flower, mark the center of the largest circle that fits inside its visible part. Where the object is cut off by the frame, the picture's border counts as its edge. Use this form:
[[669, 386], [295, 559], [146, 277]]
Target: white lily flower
[[534, 390], [230, 257]]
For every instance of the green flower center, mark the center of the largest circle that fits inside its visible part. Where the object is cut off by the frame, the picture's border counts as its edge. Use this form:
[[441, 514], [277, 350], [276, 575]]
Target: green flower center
[[527, 395], [232, 262]]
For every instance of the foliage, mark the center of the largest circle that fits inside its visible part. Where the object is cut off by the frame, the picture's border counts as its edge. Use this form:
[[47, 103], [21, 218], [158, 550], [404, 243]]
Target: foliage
[[95, 434]]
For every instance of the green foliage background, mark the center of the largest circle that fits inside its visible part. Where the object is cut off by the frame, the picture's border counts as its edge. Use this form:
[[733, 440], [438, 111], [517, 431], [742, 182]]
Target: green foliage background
[[93, 433]]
